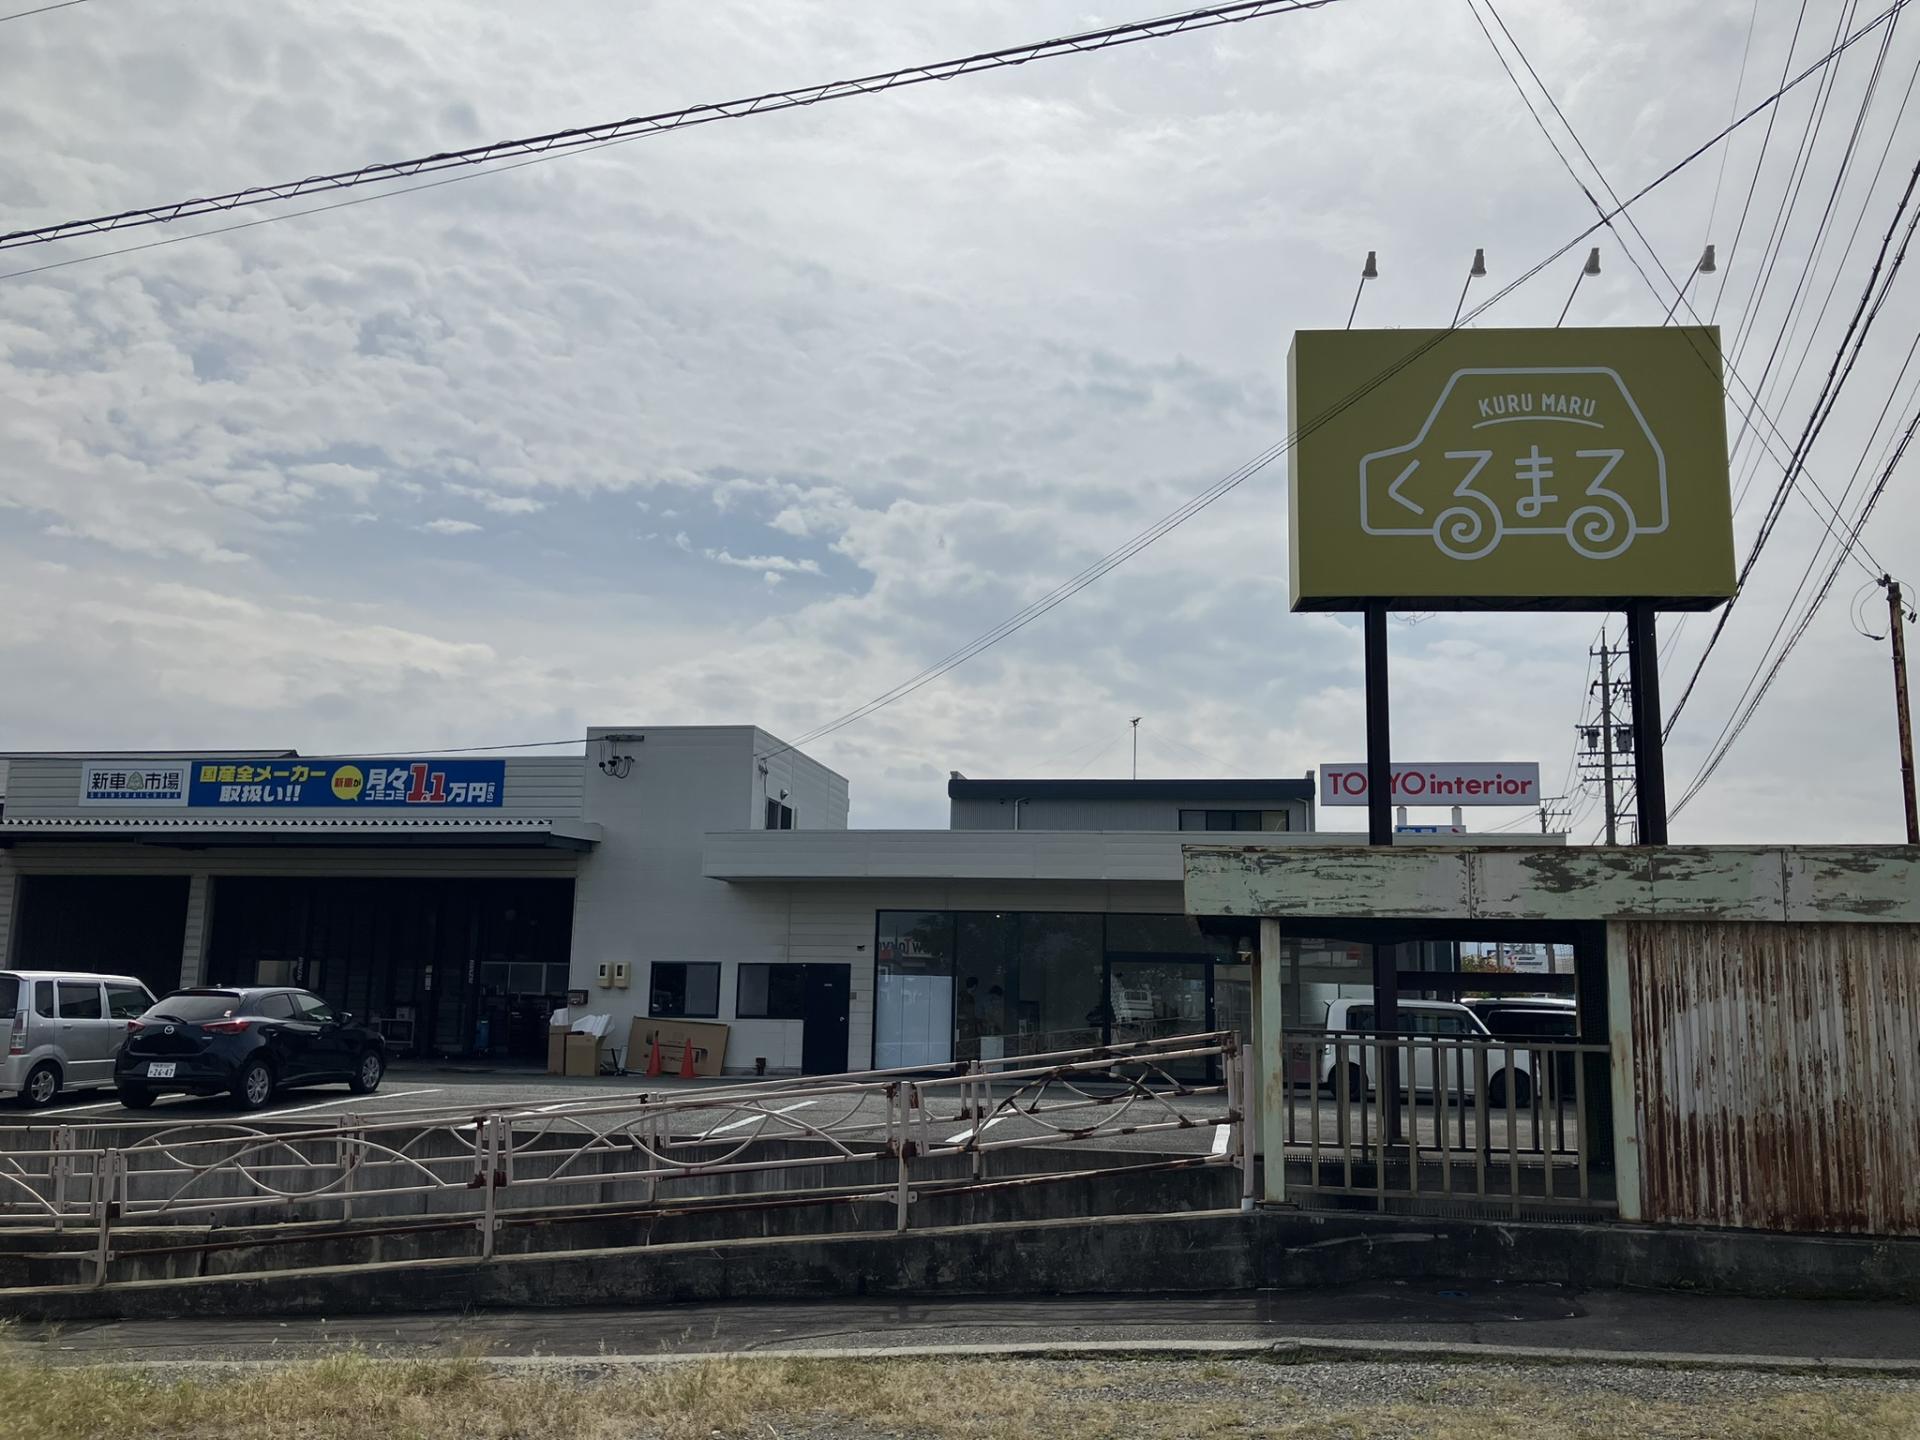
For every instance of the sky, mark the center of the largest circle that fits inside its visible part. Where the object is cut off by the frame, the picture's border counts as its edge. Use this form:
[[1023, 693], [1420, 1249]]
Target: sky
[[751, 422]]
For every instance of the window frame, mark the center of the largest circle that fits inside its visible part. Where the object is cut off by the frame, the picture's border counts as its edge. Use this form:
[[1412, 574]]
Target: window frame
[[128, 988], [99, 998], [684, 1013], [767, 1012], [305, 1004]]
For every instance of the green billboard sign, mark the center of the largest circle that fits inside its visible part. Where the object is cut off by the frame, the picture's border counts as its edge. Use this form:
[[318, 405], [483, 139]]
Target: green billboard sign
[[1509, 469]]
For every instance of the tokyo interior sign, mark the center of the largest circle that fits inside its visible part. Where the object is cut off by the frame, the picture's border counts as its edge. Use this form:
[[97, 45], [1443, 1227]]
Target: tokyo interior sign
[[347, 784], [1509, 469], [1450, 784]]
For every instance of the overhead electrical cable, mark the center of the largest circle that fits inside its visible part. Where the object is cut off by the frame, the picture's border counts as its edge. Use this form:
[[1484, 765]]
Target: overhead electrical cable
[[1853, 234], [1090, 573], [1790, 203], [1739, 87], [40, 10], [1844, 359], [1753, 181], [638, 126], [1731, 735], [1713, 362]]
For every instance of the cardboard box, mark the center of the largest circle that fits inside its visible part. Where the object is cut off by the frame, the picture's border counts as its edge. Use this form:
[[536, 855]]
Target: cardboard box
[[708, 1039], [556, 1050], [583, 1055]]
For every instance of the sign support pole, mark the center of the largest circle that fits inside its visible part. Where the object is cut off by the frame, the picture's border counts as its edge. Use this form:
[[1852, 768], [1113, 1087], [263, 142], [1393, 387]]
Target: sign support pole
[[1379, 761], [1386, 966], [1649, 760]]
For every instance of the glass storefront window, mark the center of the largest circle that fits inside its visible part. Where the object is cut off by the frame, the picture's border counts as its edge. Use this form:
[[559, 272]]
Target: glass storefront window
[[986, 957], [988, 985], [1057, 999], [913, 990]]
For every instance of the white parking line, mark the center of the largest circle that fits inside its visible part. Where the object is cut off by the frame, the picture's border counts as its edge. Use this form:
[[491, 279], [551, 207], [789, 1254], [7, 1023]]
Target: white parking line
[[1221, 1135], [966, 1135], [353, 1100], [102, 1105], [759, 1115]]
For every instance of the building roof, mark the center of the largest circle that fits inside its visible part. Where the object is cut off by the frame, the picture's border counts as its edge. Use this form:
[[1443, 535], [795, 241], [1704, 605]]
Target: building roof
[[1263, 791], [366, 831], [1053, 855]]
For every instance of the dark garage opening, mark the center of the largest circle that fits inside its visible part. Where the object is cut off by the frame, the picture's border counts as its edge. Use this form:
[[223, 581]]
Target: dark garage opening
[[442, 967], [111, 924]]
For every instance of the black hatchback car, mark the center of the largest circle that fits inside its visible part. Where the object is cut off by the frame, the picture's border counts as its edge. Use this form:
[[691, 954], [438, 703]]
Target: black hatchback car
[[248, 1042]]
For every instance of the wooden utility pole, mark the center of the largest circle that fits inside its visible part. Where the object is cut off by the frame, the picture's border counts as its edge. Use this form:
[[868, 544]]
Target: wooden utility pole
[[1897, 631]]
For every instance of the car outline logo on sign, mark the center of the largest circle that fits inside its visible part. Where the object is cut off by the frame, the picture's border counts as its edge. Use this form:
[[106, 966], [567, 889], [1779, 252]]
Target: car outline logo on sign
[[1596, 520]]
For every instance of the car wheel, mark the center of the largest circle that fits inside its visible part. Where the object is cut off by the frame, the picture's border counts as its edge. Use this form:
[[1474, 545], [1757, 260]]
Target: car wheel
[[43, 1085], [366, 1079], [254, 1088], [135, 1099], [1522, 1090], [1356, 1082]]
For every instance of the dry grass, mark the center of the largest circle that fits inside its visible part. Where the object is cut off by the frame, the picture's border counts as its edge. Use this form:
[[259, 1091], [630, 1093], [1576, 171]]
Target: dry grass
[[354, 1395]]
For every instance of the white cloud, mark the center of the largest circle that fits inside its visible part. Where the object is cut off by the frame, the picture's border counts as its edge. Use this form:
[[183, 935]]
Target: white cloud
[[964, 339], [772, 564]]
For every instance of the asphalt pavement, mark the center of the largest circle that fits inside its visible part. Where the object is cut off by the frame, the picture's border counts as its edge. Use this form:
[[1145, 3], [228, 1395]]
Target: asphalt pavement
[[1460, 1314]]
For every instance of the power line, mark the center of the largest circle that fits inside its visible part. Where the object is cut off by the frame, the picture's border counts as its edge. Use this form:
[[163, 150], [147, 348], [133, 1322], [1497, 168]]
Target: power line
[[1732, 734], [39, 10], [635, 127], [1021, 619], [1114, 558], [1739, 86], [1712, 362], [1790, 203], [1753, 181], [1837, 374]]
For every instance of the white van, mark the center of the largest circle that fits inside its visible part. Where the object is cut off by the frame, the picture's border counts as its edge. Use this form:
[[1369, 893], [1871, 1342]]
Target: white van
[[65, 1029], [1420, 1022]]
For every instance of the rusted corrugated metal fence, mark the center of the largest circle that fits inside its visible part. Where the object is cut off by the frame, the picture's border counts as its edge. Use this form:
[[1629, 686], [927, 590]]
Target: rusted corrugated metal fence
[[1777, 1074]]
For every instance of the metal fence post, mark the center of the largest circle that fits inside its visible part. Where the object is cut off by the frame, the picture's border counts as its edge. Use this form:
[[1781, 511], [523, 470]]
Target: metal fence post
[[107, 1190], [490, 1181], [903, 1149], [64, 1144]]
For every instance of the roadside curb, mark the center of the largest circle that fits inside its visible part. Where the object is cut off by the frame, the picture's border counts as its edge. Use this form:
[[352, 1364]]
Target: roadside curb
[[1281, 1351]]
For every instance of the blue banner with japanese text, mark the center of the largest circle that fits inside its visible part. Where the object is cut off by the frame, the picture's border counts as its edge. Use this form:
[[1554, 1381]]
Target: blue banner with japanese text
[[337, 784]]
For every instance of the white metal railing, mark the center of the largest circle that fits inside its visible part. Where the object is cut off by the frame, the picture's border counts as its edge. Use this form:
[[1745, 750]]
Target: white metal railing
[[1442, 1118], [457, 1166]]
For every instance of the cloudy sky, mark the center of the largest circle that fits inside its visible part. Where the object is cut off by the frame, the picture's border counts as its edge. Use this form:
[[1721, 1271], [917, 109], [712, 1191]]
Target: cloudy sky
[[751, 422]]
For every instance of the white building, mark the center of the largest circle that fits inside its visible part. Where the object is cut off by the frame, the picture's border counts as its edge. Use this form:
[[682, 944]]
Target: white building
[[679, 872]]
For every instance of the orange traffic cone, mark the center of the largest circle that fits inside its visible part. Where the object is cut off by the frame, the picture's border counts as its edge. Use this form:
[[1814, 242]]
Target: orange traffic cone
[[653, 1060], [686, 1061]]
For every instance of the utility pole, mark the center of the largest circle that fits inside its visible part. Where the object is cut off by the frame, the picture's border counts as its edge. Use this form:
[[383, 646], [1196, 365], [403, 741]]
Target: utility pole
[[1551, 809], [1136, 745], [1897, 630], [1606, 731], [1610, 748]]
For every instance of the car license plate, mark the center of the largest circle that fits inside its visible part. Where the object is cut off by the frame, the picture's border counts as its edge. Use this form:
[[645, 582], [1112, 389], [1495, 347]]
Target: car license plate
[[160, 1069]]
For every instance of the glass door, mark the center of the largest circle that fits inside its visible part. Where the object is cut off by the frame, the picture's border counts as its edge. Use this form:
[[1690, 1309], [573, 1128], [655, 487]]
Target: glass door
[[1154, 999]]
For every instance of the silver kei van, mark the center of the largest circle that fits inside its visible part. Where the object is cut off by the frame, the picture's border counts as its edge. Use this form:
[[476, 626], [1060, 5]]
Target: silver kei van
[[63, 1029]]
